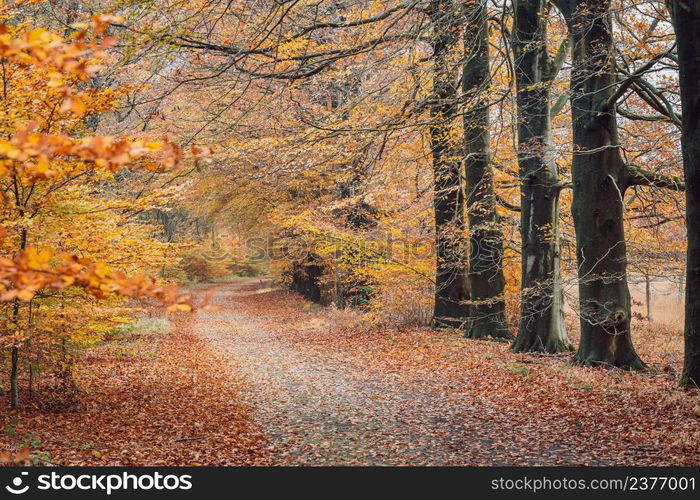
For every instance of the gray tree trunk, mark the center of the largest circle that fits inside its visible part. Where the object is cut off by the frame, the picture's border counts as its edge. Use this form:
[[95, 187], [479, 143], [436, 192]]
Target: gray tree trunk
[[599, 179], [541, 326], [686, 20], [451, 286], [486, 280]]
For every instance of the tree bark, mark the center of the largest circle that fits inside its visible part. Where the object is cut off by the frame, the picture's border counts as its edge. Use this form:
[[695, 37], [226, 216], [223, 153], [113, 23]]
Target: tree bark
[[14, 377], [599, 179], [451, 286], [541, 326], [14, 352], [486, 280], [650, 305], [686, 20]]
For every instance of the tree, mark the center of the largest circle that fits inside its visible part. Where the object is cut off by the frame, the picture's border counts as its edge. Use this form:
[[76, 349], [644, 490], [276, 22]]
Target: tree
[[599, 178], [47, 166], [451, 286], [541, 326], [686, 21], [486, 280]]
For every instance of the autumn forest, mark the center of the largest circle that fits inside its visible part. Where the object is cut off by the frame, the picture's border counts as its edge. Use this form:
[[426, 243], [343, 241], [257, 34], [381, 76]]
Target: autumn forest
[[350, 232]]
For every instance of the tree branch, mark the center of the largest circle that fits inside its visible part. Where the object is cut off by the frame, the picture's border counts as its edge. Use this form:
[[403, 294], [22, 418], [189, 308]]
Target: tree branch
[[640, 177], [632, 78], [506, 204]]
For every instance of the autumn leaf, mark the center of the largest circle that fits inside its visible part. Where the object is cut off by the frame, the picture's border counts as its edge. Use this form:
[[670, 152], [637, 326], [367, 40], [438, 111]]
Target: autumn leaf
[[25, 295], [180, 307]]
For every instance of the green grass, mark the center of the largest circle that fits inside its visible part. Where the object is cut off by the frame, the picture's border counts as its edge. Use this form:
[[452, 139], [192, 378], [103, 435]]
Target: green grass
[[144, 325]]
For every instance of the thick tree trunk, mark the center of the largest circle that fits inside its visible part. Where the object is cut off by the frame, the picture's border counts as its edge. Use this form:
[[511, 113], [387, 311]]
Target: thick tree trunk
[[599, 179], [542, 326], [451, 290], [486, 280], [686, 20]]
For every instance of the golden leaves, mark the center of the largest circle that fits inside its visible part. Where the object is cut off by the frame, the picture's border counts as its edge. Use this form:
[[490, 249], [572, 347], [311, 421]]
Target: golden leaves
[[36, 260], [180, 307], [35, 151], [31, 270]]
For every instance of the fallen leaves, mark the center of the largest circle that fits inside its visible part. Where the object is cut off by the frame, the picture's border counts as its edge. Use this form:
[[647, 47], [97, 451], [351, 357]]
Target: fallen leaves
[[164, 402], [262, 378], [437, 398]]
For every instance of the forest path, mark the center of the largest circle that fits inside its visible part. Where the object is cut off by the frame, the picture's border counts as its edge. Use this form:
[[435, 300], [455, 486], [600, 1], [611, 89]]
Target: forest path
[[319, 405]]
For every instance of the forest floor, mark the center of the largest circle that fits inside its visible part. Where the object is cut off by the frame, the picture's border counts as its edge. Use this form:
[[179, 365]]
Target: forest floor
[[265, 377]]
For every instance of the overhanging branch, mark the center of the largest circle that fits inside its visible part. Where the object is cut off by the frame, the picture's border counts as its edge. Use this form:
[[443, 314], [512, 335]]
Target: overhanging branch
[[640, 177]]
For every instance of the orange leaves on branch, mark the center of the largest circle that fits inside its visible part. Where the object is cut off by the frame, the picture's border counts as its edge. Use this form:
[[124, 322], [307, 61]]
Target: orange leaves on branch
[[39, 46], [71, 57], [35, 151], [33, 270]]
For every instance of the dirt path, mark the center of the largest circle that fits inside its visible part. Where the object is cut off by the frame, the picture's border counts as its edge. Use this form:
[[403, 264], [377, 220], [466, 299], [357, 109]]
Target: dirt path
[[314, 411], [325, 411], [319, 403], [268, 378]]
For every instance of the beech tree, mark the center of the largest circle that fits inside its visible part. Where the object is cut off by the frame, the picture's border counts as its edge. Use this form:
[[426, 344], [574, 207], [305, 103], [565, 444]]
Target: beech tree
[[487, 283], [541, 326], [686, 21], [451, 278], [600, 178]]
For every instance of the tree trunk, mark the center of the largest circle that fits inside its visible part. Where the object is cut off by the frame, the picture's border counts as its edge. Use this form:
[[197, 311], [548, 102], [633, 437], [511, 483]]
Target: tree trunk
[[650, 312], [451, 286], [487, 283], [542, 326], [599, 179], [14, 353], [686, 20], [14, 378]]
